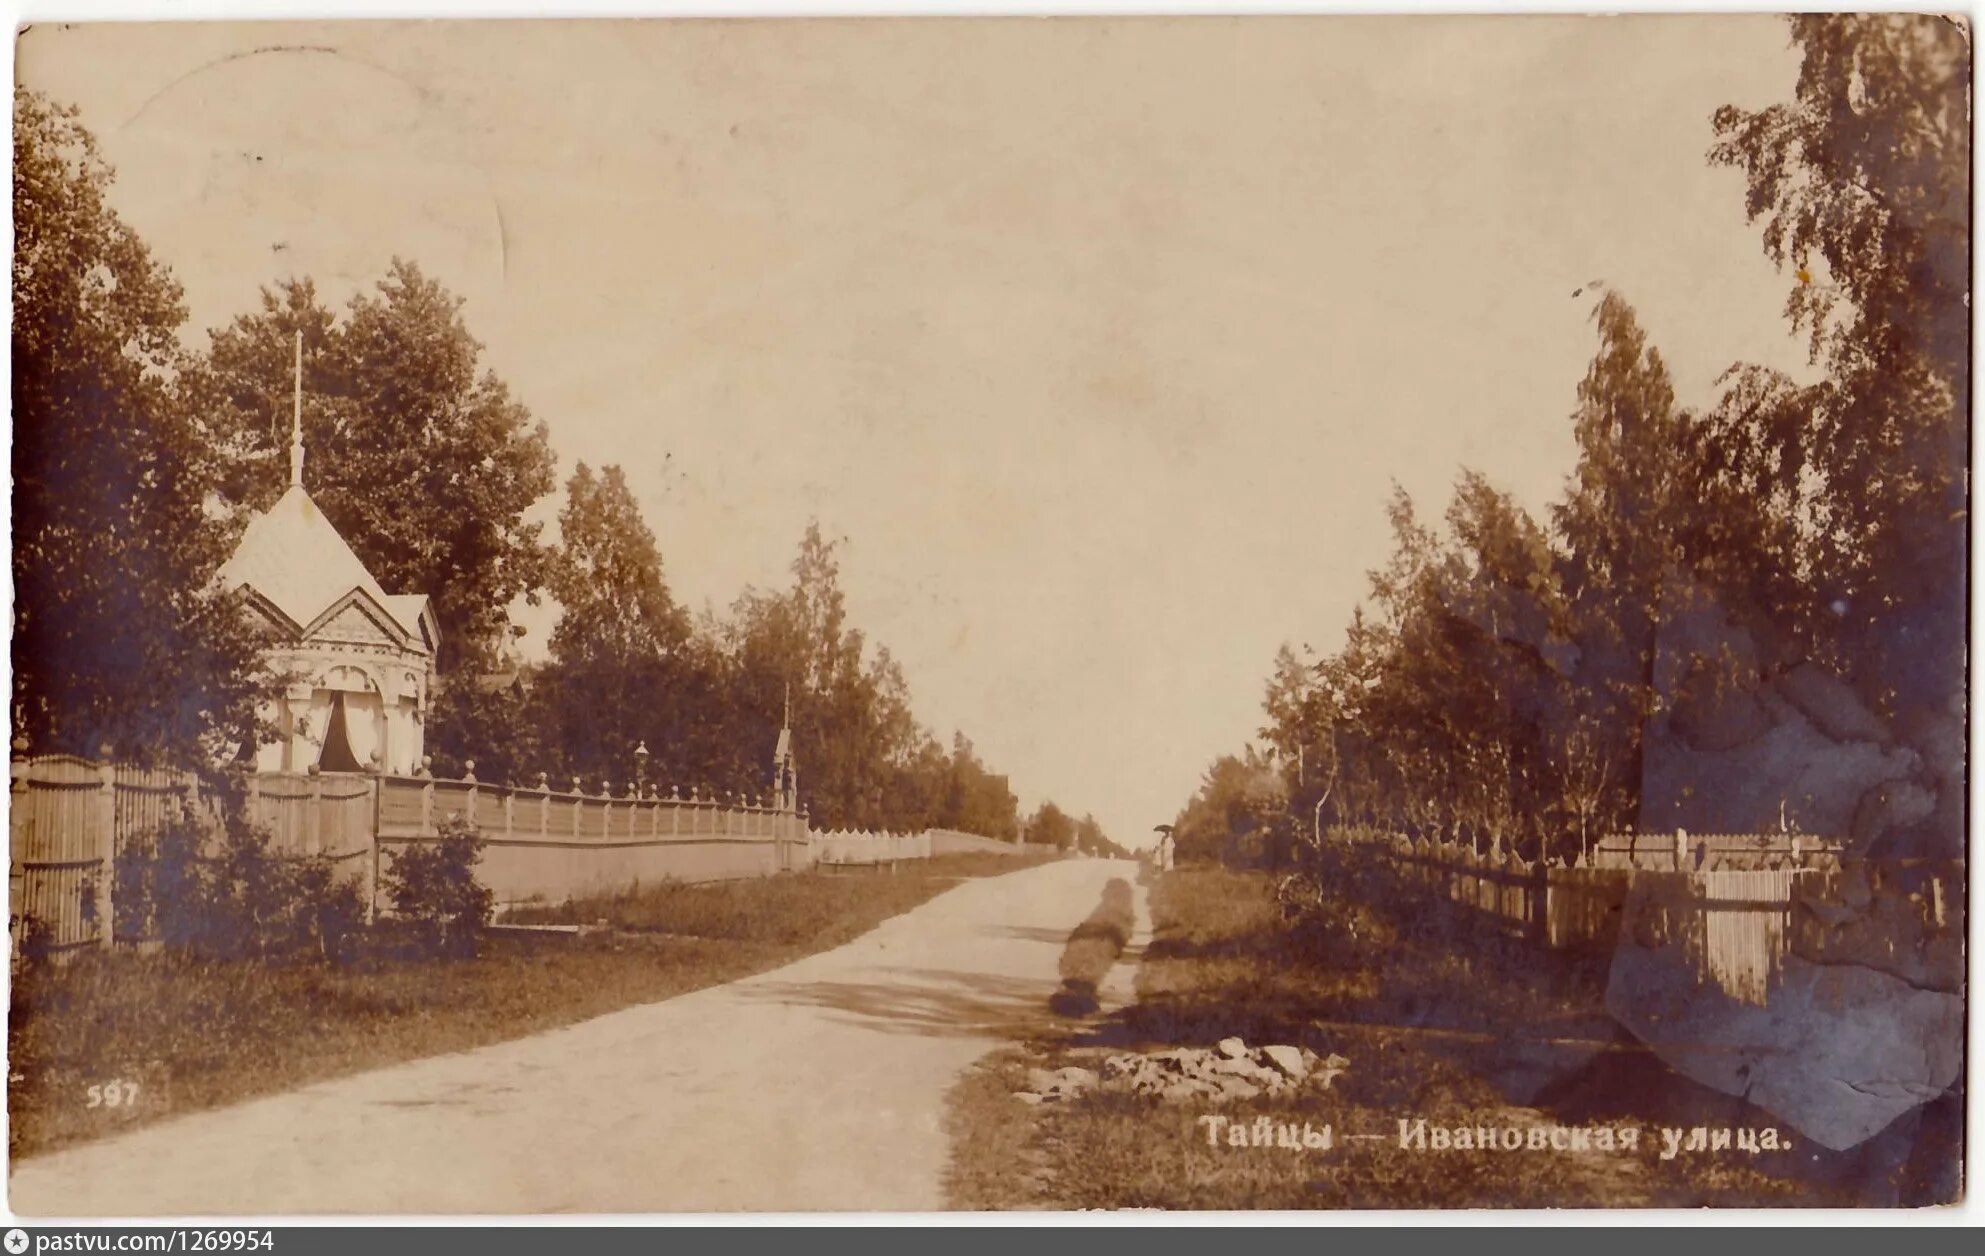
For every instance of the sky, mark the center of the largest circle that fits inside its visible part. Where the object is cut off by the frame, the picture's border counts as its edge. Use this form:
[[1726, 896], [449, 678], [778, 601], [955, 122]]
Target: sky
[[1100, 342]]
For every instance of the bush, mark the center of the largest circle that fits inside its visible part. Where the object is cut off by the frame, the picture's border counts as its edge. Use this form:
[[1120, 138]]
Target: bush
[[433, 888], [225, 895], [1336, 890]]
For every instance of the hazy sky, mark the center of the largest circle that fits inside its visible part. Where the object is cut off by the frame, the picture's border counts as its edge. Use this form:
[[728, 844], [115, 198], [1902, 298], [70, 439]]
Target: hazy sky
[[1099, 341]]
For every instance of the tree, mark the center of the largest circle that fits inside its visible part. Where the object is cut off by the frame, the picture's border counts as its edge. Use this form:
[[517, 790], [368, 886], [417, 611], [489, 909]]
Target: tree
[[1089, 838], [1620, 525], [1862, 184], [1236, 801], [119, 637], [1051, 826], [973, 799], [627, 668], [857, 740], [1585, 780], [425, 466]]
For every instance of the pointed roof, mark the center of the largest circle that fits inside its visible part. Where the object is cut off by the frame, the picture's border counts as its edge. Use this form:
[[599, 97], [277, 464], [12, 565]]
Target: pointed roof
[[296, 561]]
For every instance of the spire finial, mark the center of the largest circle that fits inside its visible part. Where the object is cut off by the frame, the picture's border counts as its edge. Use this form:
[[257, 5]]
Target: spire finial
[[789, 704], [296, 420]]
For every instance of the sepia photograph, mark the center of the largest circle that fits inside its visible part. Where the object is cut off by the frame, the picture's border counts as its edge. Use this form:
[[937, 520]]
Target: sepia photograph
[[922, 614]]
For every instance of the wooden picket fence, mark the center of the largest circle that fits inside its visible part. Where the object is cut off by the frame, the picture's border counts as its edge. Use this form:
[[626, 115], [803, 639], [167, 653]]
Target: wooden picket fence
[[846, 847], [952, 842]]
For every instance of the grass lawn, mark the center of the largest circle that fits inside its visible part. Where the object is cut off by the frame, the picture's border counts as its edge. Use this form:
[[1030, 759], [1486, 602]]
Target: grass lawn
[[1439, 1024], [191, 1035]]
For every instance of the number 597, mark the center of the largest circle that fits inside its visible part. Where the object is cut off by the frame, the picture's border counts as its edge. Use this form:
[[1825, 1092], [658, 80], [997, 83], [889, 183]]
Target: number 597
[[117, 1094]]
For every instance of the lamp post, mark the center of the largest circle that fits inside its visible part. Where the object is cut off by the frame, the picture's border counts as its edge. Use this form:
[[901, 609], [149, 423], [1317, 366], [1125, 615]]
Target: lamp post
[[640, 767]]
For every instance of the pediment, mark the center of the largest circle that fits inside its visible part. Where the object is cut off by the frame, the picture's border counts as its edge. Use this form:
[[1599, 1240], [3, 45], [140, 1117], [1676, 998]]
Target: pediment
[[358, 617]]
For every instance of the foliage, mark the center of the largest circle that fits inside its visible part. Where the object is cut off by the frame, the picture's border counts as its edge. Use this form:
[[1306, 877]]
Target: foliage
[[856, 741], [707, 697], [424, 465], [1506, 678], [226, 896], [118, 638], [626, 669], [1227, 818], [1862, 184], [489, 720], [973, 799], [1051, 826], [433, 888]]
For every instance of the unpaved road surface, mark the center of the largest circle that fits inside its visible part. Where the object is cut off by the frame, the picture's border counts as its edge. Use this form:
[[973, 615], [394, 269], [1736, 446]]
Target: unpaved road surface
[[819, 1086]]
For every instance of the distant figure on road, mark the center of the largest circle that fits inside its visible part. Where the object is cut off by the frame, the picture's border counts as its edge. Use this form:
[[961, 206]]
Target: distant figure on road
[[1161, 855]]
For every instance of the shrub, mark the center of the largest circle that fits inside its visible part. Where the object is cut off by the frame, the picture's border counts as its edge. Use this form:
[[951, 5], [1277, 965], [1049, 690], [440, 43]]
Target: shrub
[[1333, 894], [225, 895], [433, 888]]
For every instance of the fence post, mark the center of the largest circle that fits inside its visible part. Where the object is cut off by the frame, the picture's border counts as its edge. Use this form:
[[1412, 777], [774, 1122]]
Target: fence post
[[509, 813], [427, 807], [1540, 899], [377, 785], [314, 819], [107, 846]]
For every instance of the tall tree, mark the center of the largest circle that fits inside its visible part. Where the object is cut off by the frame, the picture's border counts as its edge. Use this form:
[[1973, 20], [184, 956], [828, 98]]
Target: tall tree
[[1620, 525], [426, 466], [607, 577], [622, 673], [852, 726], [118, 637], [1862, 184]]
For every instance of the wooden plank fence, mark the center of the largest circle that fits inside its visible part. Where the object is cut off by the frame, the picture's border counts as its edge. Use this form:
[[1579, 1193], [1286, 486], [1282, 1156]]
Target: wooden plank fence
[[70, 816], [1729, 900]]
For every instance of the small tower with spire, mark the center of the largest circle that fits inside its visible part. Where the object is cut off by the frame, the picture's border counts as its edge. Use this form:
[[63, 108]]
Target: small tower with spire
[[360, 660], [296, 420]]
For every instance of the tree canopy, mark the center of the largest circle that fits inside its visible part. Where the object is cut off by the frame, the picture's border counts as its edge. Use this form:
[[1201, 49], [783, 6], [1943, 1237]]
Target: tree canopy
[[119, 637], [423, 462]]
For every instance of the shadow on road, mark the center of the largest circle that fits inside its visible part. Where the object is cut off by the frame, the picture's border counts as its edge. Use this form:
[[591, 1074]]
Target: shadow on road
[[936, 1002], [1092, 949], [927, 1002]]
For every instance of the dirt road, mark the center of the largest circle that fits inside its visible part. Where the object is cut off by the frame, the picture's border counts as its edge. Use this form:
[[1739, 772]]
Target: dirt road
[[818, 1086]]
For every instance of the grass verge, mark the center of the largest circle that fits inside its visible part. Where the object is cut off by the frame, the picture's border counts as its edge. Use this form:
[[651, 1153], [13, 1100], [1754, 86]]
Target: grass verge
[[1461, 1032], [176, 1036]]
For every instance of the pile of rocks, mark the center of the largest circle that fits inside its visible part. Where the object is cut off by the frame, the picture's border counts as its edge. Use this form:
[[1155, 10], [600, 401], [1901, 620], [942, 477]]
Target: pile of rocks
[[1229, 1071]]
